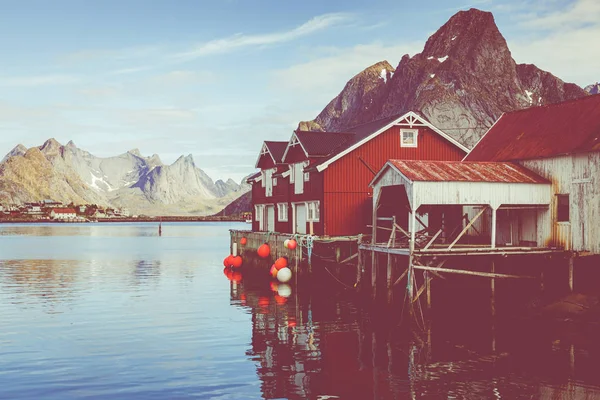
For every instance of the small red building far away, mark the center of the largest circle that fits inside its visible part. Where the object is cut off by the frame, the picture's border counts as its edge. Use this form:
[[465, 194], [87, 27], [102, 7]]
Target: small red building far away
[[318, 182]]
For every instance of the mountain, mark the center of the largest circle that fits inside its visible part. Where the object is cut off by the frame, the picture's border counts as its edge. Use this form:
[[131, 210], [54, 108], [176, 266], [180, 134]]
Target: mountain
[[593, 89], [144, 185], [238, 206], [462, 81]]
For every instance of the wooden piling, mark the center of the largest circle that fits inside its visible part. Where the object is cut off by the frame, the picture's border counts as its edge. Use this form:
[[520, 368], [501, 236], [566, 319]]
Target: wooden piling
[[359, 264], [428, 286], [389, 278], [571, 283], [493, 290]]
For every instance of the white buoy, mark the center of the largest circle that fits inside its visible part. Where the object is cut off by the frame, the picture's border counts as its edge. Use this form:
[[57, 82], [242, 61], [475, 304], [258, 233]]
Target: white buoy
[[284, 290], [284, 275]]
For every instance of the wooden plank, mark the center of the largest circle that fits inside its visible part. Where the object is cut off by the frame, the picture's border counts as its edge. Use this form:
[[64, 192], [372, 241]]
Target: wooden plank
[[401, 230], [352, 257], [381, 249], [466, 228], [473, 273], [401, 277], [421, 289], [433, 239]]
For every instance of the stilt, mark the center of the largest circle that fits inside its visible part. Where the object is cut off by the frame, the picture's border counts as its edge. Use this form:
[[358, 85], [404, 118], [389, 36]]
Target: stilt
[[493, 306], [389, 278], [428, 283], [493, 288], [374, 273], [410, 277], [571, 284]]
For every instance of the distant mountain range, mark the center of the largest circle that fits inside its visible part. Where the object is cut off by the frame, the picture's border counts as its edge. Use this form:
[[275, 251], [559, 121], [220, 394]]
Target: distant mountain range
[[143, 185], [462, 81]]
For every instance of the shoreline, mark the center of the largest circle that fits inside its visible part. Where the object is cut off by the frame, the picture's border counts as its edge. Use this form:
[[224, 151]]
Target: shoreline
[[156, 220]]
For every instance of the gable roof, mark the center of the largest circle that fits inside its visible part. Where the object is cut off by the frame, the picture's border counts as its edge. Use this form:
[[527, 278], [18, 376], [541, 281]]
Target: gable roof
[[365, 132], [462, 171], [321, 144], [274, 149], [546, 131]]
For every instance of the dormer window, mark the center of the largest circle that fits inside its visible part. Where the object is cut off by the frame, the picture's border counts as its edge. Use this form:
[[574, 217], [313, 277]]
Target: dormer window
[[408, 137]]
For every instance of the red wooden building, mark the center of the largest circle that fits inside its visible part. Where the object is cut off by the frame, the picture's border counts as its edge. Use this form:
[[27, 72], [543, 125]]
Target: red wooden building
[[318, 182]]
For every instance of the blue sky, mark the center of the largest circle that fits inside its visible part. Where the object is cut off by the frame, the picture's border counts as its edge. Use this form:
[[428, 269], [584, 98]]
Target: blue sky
[[215, 79]]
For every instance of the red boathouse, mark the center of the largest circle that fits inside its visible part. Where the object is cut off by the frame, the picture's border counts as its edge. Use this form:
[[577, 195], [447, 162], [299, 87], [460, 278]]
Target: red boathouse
[[318, 182]]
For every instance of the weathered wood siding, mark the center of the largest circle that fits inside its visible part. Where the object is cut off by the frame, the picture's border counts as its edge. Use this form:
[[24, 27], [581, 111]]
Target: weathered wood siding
[[579, 176], [347, 195]]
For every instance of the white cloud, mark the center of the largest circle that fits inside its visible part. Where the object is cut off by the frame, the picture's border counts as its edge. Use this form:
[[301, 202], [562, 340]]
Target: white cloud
[[234, 42], [323, 78], [569, 15], [559, 39], [38, 80]]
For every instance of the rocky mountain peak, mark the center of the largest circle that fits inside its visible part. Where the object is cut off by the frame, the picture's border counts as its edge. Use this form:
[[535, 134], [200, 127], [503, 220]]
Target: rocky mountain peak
[[135, 152], [361, 93], [18, 150], [71, 145], [462, 81], [51, 146]]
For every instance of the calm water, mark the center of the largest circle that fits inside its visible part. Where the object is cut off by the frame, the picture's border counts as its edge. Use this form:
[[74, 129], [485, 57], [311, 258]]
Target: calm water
[[112, 311]]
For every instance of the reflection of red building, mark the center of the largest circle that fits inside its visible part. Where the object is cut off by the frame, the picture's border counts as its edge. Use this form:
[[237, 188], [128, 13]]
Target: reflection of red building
[[318, 182]]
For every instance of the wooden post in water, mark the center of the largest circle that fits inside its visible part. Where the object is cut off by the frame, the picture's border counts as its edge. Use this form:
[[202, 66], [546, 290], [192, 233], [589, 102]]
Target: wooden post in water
[[571, 283], [493, 289], [428, 286], [389, 280], [493, 305]]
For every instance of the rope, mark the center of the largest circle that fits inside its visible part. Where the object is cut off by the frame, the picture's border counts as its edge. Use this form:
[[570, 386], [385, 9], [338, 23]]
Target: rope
[[334, 277]]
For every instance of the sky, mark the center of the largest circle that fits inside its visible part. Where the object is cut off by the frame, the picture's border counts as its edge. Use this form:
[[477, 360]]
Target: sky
[[216, 78]]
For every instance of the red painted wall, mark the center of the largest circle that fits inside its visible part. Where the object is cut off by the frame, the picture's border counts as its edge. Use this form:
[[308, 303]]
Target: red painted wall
[[348, 202]]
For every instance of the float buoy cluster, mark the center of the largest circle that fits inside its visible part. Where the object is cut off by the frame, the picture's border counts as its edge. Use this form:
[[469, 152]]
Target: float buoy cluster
[[233, 261], [280, 271]]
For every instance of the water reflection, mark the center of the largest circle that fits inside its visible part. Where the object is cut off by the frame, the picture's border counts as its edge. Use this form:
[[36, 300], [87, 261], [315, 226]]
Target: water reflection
[[317, 343]]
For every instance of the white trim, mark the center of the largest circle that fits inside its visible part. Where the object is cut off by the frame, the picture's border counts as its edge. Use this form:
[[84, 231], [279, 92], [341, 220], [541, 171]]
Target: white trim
[[292, 143], [411, 117], [415, 132], [285, 174], [286, 207], [382, 171], [264, 150], [480, 139], [317, 210]]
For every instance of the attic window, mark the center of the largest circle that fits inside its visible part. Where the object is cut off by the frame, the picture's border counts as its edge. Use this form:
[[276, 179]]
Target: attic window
[[408, 137]]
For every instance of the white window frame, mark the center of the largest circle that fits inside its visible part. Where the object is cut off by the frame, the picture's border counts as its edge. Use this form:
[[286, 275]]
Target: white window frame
[[258, 212], [263, 174], [282, 212], [291, 170], [415, 133], [313, 207], [274, 181], [306, 174]]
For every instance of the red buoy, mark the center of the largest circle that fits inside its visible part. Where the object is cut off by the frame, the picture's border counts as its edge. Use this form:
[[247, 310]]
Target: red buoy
[[264, 250], [281, 262], [236, 261], [228, 261], [243, 241], [273, 271], [292, 244]]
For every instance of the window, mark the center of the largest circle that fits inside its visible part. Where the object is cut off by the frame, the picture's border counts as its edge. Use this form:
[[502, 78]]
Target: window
[[562, 207], [274, 181], [306, 174], [282, 212], [258, 210], [312, 210], [263, 175], [408, 137], [291, 173]]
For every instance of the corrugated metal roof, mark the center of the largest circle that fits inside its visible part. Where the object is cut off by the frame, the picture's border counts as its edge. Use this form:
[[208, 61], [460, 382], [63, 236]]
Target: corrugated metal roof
[[465, 171], [537, 132], [276, 149], [322, 144]]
